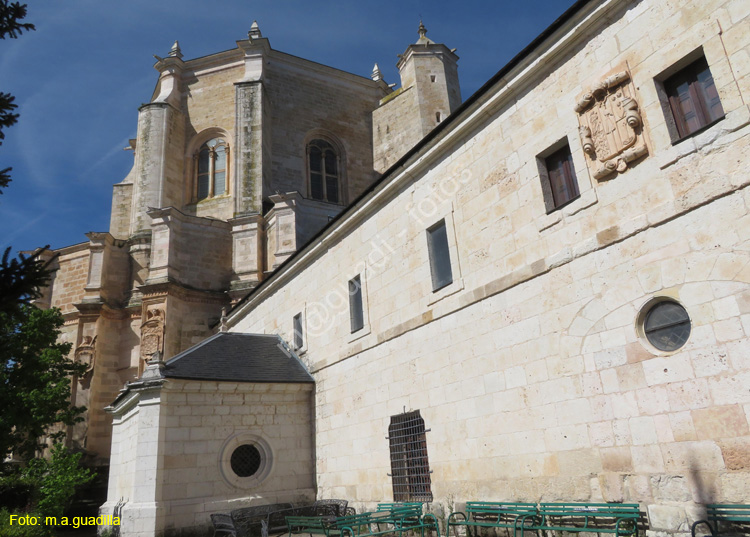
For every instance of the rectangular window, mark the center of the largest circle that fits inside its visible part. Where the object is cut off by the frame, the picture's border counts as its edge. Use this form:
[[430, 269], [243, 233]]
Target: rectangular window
[[562, 177], [356, 312], [299, 335], [440, 258], [693, 99], [410, 468]]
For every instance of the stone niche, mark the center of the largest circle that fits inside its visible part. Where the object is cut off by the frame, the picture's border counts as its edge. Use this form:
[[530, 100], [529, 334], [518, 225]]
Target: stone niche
[[610, 125]]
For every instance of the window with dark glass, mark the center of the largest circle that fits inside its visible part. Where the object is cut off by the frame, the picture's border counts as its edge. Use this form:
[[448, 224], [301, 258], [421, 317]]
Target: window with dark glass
[[211, 169], [693, 98], [245, 460], [667, 326], [356, 310], [562, 177], [440, 258], [299, 336], [410, 467], [323, 163]]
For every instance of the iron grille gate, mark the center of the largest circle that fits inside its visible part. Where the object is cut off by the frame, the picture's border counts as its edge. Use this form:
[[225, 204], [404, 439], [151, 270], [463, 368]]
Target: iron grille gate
[[410, 468]]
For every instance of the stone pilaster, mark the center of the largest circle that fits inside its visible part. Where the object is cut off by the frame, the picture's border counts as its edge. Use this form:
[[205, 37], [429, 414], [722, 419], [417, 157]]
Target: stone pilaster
[[247, 254]]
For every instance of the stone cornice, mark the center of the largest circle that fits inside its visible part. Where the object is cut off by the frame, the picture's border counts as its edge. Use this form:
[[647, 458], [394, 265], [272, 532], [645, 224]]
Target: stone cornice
[[165, 287]]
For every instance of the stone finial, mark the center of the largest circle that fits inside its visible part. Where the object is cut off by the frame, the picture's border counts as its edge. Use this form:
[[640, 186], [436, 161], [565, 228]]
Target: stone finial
[[254, 32], [175, 51], [223, 327], [376, 75], [423, 39]]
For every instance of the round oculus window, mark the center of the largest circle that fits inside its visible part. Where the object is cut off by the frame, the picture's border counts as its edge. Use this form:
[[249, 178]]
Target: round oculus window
[[667, 326], [245, 460]]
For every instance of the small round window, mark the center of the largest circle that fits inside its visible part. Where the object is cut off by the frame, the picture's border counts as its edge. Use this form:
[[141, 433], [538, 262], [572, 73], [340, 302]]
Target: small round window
[[667, 326], [245, 460]]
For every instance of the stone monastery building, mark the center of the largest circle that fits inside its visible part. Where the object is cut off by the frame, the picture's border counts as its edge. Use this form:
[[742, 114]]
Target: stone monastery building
[[541, 293]]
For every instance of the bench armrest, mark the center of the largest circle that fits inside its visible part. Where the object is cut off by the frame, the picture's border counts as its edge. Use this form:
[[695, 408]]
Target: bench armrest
[[699, 522], [433, 523], [456, 515]]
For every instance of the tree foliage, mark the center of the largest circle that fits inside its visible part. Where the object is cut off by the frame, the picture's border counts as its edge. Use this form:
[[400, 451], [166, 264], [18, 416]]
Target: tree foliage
[[35, 377], [21, 280], [59, 476], [11, 14]]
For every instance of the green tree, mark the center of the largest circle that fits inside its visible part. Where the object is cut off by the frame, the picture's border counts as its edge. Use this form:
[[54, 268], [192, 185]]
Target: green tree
[[11, 14], [59, 476], [35, 377]]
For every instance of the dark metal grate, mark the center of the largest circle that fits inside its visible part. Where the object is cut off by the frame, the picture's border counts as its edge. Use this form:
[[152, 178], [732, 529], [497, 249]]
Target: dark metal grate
[[245, 460], [410, 468]]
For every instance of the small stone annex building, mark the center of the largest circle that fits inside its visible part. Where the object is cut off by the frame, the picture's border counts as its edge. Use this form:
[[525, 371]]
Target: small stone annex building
[[544, 296]]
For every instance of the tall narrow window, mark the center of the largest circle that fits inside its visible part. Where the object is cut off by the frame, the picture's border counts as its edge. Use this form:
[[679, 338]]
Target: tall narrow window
[[562, 177], [299, 335], [693, 98], [211, 169], [356, 311], [440, 258], [323, 166], [410, 467]]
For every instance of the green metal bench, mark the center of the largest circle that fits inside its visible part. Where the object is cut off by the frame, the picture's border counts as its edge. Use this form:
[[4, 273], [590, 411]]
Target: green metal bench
[[397, 520], [492, 515], [725, 519], [312, 525], [617, 518]]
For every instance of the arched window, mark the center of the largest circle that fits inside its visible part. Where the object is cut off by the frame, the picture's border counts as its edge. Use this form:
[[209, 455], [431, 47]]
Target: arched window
[[323, 166], [211, 170]]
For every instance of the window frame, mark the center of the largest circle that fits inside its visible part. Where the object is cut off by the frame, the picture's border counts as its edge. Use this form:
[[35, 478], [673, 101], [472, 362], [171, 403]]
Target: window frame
[[414, 457], [212, 171], [327, 144], [355, 298], [689, 74], [439, 281], [299, 343], [560, 160]]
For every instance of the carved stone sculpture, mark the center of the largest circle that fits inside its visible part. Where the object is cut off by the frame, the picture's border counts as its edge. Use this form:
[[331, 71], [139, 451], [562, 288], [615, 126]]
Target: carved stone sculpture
[[86, 354], [152, 334], [610, 125]]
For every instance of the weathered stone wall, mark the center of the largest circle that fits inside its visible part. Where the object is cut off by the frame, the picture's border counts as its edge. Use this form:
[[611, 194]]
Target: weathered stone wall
[[531, 368], [396, 127], [70, 278], [196, 252], [319, 100], [209, 98]]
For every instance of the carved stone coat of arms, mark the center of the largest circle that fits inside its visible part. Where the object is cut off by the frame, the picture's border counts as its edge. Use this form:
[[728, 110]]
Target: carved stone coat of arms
[[611, 125], [152, 334]]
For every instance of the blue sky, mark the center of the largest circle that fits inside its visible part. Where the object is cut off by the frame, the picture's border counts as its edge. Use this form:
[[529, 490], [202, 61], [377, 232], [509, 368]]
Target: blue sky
[[80, 77]]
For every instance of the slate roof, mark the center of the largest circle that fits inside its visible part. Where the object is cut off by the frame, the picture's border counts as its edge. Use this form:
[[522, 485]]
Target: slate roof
[[237, 357]]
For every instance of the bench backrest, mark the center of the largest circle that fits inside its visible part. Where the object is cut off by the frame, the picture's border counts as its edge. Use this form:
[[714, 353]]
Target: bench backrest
[[477, 510], [277, 519], [597, 510], [352, 521], [304, 522], [388, 506], [339, 505], [247, 518], [256, 513], [719, 512]]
